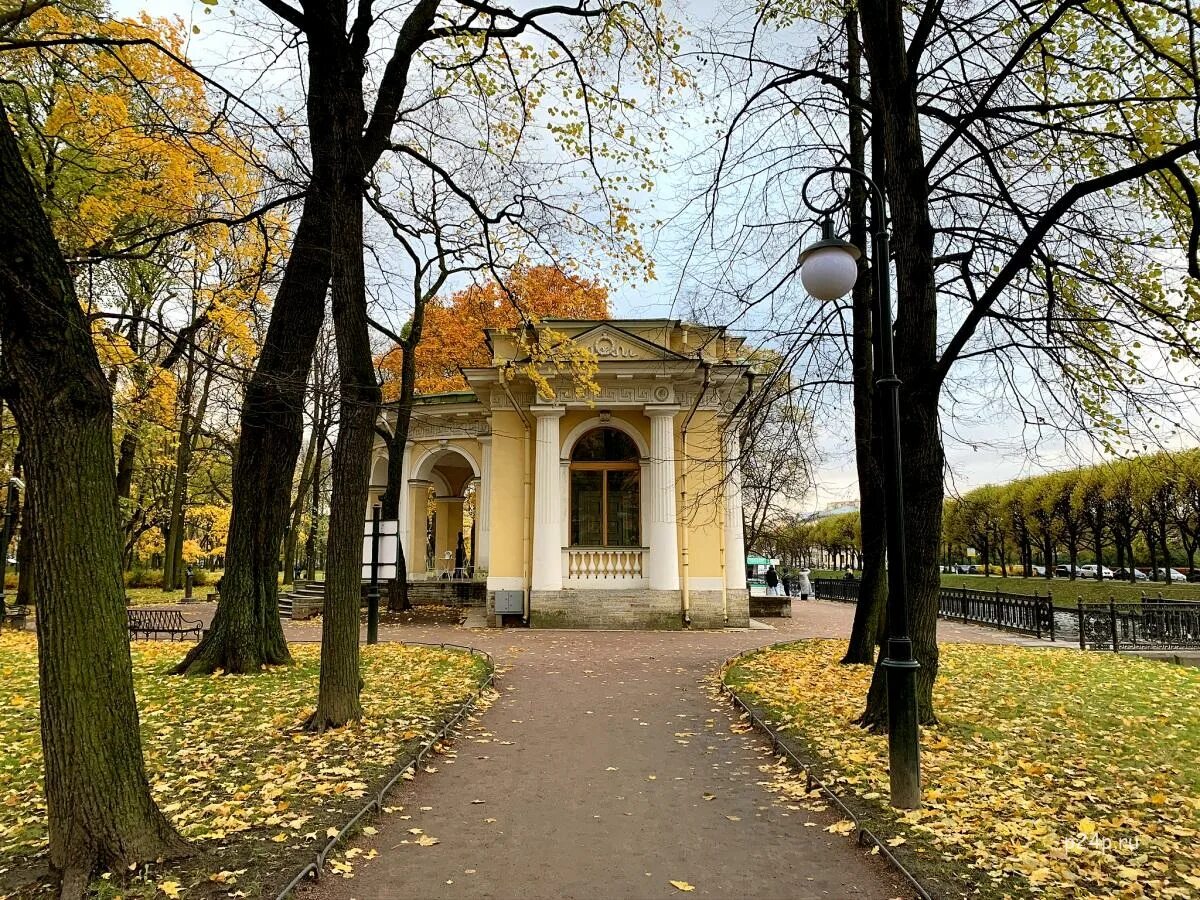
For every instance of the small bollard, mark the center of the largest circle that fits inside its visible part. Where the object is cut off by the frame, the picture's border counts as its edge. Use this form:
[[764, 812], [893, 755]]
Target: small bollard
[[187, 584]]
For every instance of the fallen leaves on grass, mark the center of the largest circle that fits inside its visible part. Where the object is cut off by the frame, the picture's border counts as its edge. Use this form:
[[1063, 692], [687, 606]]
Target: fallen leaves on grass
[[226, 759], [1052, 772]]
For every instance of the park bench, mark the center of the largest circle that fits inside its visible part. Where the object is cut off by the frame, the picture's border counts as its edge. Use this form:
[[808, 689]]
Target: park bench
[[15, 617], [147, 622]]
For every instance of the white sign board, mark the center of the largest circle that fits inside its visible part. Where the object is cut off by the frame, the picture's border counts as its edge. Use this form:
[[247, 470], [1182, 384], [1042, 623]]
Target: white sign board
[[389, 542]]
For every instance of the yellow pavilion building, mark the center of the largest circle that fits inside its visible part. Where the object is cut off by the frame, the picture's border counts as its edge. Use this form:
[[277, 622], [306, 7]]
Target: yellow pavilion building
[[616, 509]]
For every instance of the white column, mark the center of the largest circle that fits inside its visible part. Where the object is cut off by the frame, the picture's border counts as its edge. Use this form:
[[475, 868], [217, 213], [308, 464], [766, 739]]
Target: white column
[[483, 504], [404, 513], [547, 502], [414, 547], [735, 546], [663, 570]]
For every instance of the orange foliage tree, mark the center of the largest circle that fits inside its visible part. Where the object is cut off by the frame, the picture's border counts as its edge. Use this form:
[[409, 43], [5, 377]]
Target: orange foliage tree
[[453, 335]]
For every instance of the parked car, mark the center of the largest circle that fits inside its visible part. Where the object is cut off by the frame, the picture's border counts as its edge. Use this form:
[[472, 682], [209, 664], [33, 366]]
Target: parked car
[[1038, 571], [1169, 575], [1063, 571], [1089, 571], [1124, 574], [1193, 575]]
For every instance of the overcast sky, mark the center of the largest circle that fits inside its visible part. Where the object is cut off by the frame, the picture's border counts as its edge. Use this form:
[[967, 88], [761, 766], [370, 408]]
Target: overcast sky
[[986, 442]]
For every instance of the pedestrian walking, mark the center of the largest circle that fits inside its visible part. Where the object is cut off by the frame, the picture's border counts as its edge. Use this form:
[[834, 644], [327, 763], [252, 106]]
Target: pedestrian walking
[[805, 584], [772, 582]]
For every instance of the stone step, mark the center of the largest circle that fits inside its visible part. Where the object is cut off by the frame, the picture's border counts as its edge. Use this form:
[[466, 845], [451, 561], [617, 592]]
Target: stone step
[[307, 599]]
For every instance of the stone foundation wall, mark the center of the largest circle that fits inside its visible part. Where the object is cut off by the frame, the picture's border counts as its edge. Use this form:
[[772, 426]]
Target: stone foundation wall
[[707, 604], [634, 609], [771, 607]]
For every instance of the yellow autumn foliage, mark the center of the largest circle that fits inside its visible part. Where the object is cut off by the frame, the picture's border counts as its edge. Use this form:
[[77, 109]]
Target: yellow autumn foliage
[[1053, 773], [119, 138], [225, 760]]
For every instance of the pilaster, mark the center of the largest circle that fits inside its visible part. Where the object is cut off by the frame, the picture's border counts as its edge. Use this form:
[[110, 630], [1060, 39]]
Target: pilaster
[[547, 501], [735, 549], [663, 570]]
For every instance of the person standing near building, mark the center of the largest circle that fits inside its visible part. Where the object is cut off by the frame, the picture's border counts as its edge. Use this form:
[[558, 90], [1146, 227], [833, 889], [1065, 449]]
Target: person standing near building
[[772, 582], [805, 585]]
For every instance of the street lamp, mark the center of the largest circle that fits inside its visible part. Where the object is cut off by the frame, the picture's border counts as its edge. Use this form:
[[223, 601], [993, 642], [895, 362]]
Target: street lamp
[[828, 270]]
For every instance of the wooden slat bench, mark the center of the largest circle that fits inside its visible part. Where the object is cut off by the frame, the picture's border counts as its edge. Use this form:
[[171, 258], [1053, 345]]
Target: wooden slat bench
[[147, 622], [15, 617]]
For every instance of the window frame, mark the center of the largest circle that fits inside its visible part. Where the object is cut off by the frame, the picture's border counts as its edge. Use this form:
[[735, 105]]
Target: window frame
[[604, 467]]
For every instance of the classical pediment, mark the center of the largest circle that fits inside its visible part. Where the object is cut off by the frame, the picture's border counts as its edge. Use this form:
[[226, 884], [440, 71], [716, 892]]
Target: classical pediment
[[612, 344]]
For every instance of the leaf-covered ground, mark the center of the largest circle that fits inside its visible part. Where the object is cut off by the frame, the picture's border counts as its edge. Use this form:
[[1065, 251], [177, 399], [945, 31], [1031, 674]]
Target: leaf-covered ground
[[227, 762], [1053, 773]]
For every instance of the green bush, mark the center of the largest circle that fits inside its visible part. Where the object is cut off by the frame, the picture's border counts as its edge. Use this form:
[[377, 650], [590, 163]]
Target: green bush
[[142, 578]]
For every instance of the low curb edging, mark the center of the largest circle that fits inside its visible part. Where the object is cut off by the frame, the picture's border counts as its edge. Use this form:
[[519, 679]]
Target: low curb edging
[[315, 867], [864, 837]]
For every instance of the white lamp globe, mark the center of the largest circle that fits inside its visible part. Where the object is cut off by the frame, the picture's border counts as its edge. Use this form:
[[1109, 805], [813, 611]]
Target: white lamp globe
[[829, 272]]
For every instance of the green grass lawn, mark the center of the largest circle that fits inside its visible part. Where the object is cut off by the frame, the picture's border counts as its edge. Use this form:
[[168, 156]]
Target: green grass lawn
[[227, 762], [1053, 773]]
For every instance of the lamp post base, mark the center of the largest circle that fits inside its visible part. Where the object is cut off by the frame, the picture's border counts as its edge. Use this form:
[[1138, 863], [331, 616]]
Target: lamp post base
[[373, 614], [904, 758]]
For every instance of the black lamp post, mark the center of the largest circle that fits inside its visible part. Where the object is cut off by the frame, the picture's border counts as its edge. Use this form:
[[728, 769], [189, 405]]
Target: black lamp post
[[828, 270]]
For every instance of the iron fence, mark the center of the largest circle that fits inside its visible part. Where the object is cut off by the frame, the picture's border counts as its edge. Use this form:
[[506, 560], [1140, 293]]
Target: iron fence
[[1135, 625], [1020, 613], [836, 589], [1146, 624]]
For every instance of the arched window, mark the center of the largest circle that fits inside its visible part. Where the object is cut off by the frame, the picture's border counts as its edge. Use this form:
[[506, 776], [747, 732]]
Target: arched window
[[605, 490]]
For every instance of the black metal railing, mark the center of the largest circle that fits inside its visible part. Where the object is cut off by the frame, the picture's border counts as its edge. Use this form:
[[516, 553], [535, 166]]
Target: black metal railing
[[1009, 612], [1135, 625], [836, 589], [1146, 624]]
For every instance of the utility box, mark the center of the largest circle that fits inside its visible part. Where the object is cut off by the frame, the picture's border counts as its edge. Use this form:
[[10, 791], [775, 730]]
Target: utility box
[[509, 603]]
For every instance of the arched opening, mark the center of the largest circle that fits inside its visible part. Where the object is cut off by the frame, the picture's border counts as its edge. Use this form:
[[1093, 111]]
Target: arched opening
[[444, 508], [605, 490]]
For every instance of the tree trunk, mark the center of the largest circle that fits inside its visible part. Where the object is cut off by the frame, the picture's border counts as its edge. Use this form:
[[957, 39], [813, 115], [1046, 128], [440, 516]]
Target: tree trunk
[[129, 440], [1098, 540], [246, 633], [1162, 530], [26, 595], [310, 549], [98, 800], [291, 540], [923, 460], [866, 631], [389, 501], [338, 699], [189, 431]]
